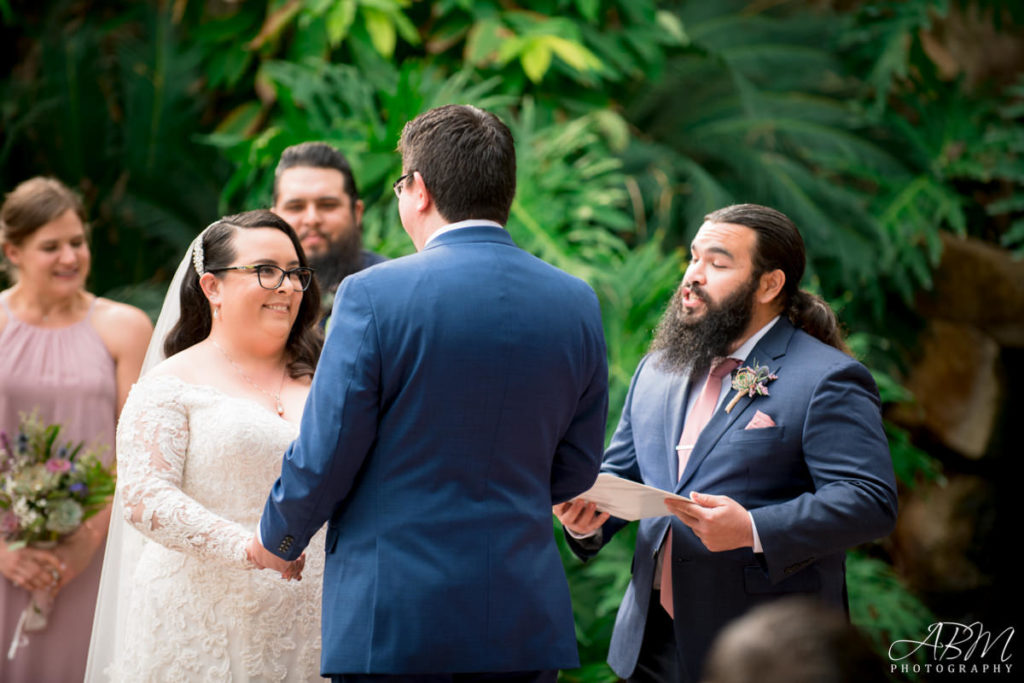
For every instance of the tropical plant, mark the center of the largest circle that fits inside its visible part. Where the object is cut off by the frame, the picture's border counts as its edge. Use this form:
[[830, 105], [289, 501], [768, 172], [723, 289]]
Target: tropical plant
[[109, 101], [633, 119]]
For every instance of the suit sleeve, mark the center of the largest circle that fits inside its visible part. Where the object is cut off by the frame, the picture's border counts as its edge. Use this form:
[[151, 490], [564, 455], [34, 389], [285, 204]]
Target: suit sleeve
[[847, 455], [578, 456], [339, 425], [620, 460]]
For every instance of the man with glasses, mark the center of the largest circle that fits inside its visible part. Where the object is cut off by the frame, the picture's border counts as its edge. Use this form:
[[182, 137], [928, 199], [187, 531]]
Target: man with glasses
[[461, 392], [314, 191]]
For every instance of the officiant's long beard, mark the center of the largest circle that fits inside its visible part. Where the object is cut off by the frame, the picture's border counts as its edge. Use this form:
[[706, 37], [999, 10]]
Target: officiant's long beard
[[342, 258], [689, 345]]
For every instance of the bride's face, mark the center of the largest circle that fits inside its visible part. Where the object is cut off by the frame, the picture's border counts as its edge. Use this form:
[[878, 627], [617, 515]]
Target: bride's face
[[246, 305]]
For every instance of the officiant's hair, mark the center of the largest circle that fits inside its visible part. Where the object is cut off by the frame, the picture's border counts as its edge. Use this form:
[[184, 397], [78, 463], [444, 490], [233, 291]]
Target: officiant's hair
[[779, 246], [467, 159], [304, 341]]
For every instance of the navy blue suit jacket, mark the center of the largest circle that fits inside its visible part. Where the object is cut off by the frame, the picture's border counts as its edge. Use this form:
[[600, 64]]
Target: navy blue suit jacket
[[818, 482], [461, 392]]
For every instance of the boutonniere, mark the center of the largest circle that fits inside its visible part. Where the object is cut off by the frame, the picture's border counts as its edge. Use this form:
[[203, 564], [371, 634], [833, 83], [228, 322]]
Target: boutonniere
[[750, 381]]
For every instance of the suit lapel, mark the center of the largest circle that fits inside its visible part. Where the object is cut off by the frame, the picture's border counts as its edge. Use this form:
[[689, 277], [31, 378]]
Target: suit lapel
[[675, 407], [768, 352]]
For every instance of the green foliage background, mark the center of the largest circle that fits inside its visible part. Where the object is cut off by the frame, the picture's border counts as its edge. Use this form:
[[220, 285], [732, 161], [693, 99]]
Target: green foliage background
[[633, 118]]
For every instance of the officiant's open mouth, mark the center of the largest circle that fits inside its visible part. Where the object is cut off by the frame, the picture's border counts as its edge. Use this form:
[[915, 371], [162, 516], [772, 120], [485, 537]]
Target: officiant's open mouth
[[279, 308], [692, 297]]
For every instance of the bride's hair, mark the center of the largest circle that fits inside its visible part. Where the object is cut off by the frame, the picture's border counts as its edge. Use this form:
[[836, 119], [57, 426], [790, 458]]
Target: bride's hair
[[217, 249]]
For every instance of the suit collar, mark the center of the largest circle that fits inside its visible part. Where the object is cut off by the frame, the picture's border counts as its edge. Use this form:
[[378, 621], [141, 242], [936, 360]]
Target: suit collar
[[768, 352], [773, 345], [486, 232]]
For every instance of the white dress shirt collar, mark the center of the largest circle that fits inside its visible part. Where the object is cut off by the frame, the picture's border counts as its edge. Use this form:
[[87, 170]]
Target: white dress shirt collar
[[746, 347], [462, 224]]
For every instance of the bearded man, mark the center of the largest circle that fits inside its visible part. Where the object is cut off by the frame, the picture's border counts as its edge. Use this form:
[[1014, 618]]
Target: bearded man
[[316, 193], [784, 478]]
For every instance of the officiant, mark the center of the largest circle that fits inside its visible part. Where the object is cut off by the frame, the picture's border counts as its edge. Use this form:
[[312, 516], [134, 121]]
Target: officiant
[[749, 402]]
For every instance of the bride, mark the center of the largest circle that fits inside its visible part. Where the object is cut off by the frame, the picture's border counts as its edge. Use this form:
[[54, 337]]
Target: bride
[[199, 444]]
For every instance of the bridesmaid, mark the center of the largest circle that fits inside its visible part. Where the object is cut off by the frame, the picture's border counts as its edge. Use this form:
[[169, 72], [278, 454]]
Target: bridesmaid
[[72, 357]]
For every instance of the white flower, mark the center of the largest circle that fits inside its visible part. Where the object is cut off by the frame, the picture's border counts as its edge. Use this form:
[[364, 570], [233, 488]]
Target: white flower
[[65, 516]]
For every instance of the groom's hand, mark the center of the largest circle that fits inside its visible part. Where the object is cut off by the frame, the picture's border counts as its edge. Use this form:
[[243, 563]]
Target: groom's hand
[[264, 559], [580, 517]]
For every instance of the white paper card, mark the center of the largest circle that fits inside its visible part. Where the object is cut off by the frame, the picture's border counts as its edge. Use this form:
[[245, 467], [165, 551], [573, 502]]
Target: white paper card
[[627, 499]]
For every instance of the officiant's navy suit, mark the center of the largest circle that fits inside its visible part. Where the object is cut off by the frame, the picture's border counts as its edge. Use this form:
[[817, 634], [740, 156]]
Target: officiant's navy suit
[[461, 392], [816, 483]]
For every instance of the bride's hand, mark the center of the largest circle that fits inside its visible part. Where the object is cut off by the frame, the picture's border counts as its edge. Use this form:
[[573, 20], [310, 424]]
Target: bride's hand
[[264, 559], [294, 570]]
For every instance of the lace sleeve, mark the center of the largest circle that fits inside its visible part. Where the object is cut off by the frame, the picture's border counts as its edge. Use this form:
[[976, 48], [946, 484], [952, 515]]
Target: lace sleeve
[[152, 447]]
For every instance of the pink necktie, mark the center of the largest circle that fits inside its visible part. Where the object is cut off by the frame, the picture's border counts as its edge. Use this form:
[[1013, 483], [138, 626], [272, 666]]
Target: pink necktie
[[699, 416]]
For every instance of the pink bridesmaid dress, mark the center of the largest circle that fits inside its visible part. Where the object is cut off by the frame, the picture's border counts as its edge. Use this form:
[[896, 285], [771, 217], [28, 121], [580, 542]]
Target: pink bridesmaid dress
[[67, 376]]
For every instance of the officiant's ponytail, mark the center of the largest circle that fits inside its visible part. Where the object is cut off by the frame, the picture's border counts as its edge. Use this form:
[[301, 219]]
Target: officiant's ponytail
[[780, 247], [814, 316]]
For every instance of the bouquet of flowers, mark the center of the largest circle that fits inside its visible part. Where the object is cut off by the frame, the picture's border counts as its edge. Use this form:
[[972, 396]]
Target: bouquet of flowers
[[47, 492], [47, 489]]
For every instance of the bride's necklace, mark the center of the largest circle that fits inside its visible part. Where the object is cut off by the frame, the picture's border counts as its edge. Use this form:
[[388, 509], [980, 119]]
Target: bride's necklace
[[276, 397]]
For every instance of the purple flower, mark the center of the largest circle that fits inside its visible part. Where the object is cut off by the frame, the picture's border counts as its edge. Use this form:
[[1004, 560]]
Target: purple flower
[[79, 489], [57, 465]]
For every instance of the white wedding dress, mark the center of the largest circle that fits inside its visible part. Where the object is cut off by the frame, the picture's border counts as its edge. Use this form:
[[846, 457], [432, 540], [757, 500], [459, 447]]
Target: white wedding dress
[[195, 467]]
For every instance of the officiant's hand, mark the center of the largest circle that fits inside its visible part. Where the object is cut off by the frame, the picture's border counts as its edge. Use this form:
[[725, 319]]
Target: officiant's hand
[[718, 521], [579, 516], [264, 559]]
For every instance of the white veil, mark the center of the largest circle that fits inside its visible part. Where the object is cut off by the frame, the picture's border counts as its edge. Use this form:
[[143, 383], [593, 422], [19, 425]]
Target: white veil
[[124, 543]]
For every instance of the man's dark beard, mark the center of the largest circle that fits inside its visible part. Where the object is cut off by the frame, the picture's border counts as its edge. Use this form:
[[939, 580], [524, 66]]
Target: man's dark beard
[[342, 258], [690, 345]]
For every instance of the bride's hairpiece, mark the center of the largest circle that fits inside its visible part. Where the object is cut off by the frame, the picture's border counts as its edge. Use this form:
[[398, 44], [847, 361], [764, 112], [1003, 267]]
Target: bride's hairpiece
[[197, 255], [197, 251]]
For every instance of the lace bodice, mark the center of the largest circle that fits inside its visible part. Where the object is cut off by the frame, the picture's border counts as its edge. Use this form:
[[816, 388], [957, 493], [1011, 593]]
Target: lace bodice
[[201, 496], [195, 467]]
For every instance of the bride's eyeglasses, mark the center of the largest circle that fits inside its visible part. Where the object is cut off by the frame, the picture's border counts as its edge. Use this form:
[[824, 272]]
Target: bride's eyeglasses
[[271, 277]]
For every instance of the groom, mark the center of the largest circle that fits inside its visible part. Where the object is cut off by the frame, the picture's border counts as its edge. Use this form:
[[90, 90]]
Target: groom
[[461, 391]]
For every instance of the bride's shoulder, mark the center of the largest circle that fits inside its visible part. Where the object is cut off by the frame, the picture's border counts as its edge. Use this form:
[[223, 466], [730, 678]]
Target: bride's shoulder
[[181, 372], [190, 366]]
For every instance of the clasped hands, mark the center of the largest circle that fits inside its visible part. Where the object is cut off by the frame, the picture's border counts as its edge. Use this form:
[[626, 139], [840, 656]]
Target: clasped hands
[[264, 559], [718, 521], [31, 568]]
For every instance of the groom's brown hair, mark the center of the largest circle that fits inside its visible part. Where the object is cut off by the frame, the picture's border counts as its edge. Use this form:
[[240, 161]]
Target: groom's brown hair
[[467, 159]]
